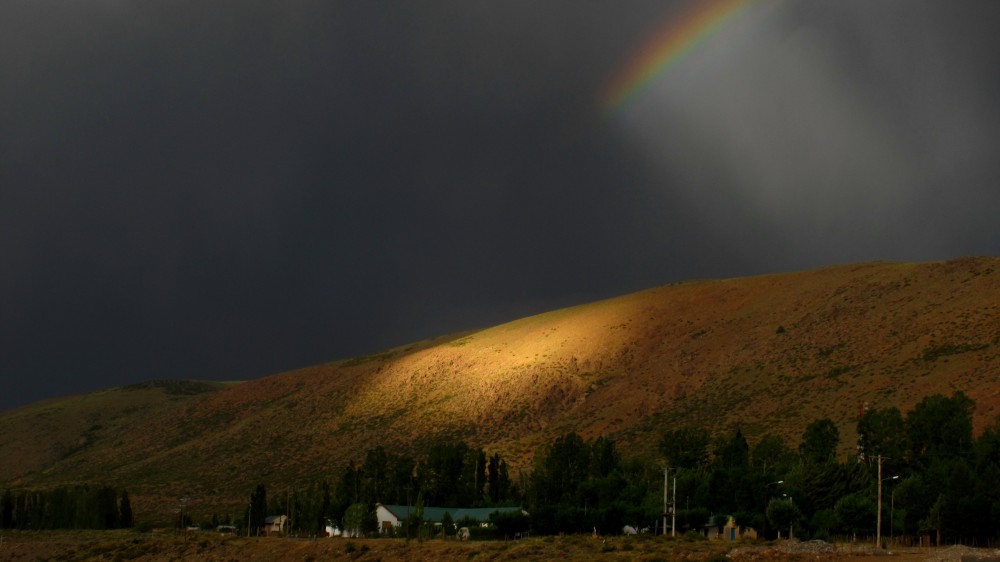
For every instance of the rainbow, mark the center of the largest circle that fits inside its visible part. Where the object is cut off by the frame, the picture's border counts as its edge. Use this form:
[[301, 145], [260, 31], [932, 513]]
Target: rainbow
[[668, 45]]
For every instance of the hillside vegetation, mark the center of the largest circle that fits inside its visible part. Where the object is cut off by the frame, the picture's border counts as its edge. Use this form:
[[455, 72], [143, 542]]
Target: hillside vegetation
[[770, 353]]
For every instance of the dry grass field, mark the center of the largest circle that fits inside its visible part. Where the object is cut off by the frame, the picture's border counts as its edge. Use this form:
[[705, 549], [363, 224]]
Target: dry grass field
[[203, 546], [771, 353]]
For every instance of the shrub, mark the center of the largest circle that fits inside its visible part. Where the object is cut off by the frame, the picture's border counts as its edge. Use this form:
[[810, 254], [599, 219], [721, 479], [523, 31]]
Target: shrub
[[693, 536]]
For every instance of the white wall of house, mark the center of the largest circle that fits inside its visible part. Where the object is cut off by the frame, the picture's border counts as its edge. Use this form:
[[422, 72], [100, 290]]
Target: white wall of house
[[275, 524], [385, 517]]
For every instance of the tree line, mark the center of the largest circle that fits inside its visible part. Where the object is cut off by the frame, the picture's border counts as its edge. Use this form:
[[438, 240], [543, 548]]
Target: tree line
[[938, 481], [66, 507], [449, 474]]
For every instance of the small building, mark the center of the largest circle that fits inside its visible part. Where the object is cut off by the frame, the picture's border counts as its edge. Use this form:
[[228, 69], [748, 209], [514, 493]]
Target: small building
[[393, 516], [734, 532], [274, 524]]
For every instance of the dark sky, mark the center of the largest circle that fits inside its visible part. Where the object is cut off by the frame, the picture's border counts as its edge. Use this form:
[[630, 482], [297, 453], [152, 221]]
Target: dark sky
[[227, 189]]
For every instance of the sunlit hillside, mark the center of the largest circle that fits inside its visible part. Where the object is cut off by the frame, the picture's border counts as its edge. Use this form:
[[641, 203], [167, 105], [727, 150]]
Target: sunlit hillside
[[770, 353]]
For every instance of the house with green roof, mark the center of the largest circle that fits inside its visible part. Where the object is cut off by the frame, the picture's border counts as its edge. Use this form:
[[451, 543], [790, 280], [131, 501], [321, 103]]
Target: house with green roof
[[392, 516]]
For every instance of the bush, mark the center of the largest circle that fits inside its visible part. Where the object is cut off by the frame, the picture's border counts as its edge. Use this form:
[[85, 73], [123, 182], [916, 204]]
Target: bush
[[693, 536]]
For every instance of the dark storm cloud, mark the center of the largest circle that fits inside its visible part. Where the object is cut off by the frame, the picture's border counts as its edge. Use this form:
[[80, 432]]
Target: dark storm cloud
[[229, 189], [834, 132]]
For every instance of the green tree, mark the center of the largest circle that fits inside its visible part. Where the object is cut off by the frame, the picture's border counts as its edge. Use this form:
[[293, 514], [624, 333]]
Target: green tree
[[604, 459], [448, 525], [347, 491], [932, 522], [685, 447], [987, 470], [315, 506], [441, 474], [987, 447], [818, 486], [771, 455], [720, 520], [939, 427], [693, 519], [561, 468], [728, 480], [958, 513], [823, 523], [125, 508], [472, 482], [403, 477], [510, 522], [415, 521], [782, 513], [855, 514], [498, 478], [579, 485], [819, 441], [913, 498], [107, 508], [258, 509], [882, 432], [7, 510], [733, 453], [375, 480], [354, 519]]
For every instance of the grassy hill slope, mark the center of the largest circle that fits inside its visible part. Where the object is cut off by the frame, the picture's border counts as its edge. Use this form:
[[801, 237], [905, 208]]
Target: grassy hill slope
[[771, 353]]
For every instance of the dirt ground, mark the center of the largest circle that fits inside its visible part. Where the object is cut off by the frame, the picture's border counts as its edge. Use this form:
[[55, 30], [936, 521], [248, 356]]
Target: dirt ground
[[130, 545]]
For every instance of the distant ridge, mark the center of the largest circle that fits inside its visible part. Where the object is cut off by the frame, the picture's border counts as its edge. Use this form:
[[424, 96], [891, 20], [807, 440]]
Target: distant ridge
[[177, 386], [770, 353]]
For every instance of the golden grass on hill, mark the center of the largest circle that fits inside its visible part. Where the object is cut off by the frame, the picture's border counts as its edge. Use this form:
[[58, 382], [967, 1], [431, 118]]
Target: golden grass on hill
[[770, 353]]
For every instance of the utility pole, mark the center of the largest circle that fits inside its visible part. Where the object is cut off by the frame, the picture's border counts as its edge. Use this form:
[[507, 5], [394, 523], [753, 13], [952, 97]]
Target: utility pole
[[673, 509], [673, 505], [878, 526], [665, 488]]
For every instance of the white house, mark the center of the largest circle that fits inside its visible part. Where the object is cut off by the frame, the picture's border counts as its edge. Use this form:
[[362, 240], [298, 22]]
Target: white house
[[390, 516], [274, 524]]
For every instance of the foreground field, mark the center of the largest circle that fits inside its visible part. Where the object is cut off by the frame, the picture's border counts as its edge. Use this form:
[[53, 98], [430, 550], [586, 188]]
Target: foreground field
[[129, 545]]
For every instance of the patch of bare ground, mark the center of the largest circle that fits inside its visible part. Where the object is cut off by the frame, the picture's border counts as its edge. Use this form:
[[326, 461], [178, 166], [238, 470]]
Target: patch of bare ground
[[826, 552]]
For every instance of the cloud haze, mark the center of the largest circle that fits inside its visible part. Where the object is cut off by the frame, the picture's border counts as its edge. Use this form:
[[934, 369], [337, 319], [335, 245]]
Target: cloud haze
[[231, 189]]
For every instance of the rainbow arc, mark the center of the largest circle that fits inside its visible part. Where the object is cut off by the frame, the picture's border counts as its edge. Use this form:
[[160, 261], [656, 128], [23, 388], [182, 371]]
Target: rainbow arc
[[675, 38]]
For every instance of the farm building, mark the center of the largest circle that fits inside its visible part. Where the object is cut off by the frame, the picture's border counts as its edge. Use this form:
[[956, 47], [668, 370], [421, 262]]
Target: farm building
[[390, 516], [274, 524]]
